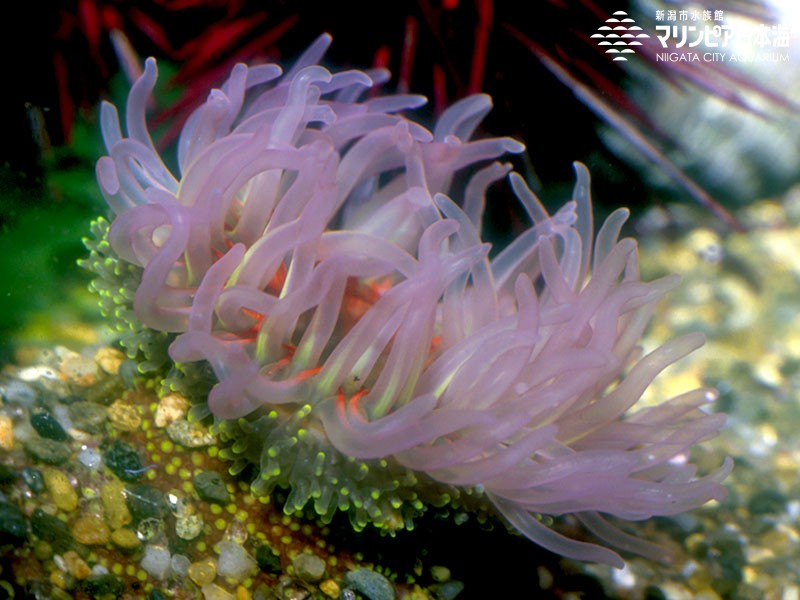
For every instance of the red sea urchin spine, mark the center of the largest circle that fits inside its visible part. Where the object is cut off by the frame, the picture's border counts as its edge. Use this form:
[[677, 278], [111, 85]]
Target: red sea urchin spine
[[369, 355]]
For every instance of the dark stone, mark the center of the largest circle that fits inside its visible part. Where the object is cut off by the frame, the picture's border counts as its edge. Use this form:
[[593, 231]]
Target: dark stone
[[766, 502], [34, 479], [145, 502], [46, 426], [652, 592], [13, 527], [370, 584], [123, 460], [268, 560], [211, 488], [447, 590], [88, 416], [52, 530], [104, 586], [105, 391], [7, 474], [47, 451]]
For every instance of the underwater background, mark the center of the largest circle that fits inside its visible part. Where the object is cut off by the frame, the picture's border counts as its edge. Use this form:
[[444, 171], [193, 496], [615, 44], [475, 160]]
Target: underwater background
[[662, 138]]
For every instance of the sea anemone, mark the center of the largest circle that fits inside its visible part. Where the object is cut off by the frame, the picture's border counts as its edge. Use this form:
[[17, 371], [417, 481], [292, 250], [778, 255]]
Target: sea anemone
[[322, 253]]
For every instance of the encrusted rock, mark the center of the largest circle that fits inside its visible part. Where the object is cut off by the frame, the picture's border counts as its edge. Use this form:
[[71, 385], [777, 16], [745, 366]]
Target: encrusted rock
[[170, 408], [124, 416], [189, 435], [109, 360]]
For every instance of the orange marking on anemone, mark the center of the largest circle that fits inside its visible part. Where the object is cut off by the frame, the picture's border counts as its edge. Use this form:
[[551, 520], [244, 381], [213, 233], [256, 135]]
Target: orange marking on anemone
[[306, 374], [275, 284], [360, 296], [251, 334], [343, 404], [354, 406]]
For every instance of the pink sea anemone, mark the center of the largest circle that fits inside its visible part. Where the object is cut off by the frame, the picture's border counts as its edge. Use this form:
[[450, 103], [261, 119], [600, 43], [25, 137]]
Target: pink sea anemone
[[366, 349]]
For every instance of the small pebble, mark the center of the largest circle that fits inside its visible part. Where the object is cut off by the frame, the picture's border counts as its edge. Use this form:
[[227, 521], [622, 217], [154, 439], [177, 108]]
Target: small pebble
[[371, 584], [76, 566], [330, 588], [156, 561], [234, 561], [179, 564], [439, 573], [203, 572], [51, 529], [309, 567], [61, 491], [13, 527], [124, 461], [90, 458], [91, 530], [125, 539], [267, 559], [124, 416], [170, 408], [211, 591], [149, 529], [447, 590], [88, 416], [188, 527], [189, 435], [104, 586], [80, 370], [6, 433], [211, 488], [7, 474], [18, 392], [47, 451], [115, 508], [46, 426], [145, 502], [109, 360], [34, 479]]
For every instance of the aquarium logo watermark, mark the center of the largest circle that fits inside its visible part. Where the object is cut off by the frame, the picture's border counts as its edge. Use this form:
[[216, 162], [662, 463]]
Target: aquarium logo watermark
[[620, 35], [703, 35], [699, 35]]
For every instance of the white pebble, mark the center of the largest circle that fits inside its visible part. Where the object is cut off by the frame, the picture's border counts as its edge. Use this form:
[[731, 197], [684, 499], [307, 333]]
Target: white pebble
[[180, 565], [156, 561], [234, 561], [89, 457]]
